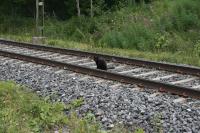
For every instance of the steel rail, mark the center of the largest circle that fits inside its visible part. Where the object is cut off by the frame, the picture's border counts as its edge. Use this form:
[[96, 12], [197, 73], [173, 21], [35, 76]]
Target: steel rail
[[174, 89], [132, 61]]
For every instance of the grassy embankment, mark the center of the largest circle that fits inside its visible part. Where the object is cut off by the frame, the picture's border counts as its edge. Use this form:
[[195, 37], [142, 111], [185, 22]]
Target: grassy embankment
[[163, 31], [23, 112]]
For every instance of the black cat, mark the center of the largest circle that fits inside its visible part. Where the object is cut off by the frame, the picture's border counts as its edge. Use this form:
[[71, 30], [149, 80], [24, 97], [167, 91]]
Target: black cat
[[101, 63]]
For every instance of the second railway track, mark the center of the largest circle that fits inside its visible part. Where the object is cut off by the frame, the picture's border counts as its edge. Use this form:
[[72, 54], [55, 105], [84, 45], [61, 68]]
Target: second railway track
[[181, 80]]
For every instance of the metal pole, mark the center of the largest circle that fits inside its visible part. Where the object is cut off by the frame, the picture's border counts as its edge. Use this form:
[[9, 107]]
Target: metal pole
[[43, 18], [37, 17]]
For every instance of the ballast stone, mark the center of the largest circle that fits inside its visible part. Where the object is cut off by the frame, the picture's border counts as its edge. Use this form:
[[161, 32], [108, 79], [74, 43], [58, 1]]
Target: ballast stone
[[111, 106]]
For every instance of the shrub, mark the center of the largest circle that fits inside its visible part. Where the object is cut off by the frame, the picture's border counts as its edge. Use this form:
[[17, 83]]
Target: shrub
[[76, 29], [182, 15], [134, 36], [161, 42]]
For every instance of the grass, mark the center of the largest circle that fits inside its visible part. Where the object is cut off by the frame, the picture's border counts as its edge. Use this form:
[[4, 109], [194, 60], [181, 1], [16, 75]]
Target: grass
[[24, 112]]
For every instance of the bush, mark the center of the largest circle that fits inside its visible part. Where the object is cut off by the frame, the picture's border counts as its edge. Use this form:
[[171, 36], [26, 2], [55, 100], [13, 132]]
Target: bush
[[182, 15], [134, 36], [76, 29], [16, 25]]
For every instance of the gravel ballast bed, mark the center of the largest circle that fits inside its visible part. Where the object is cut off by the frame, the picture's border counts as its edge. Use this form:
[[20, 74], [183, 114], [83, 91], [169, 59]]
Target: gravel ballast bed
[[111, 105]]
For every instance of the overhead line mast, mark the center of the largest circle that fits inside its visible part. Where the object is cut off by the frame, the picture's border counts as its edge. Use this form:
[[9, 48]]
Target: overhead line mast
[[39, 18]]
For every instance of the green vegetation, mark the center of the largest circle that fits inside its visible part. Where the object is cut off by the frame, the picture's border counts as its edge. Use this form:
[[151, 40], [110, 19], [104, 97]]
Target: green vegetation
[[23, 112], [157, 124], [163, 30], [75, 104]]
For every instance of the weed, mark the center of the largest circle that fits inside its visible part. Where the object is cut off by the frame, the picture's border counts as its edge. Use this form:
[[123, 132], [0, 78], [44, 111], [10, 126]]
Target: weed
[[197, 48], [161, 42], [75, 104], [84, 125], [22, 111], [157, 124]]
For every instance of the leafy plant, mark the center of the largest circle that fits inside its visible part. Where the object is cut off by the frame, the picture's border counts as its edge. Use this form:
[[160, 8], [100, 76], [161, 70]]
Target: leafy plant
[[161, 42], [84, 125], [75, 104], [156, 122], [22, 111]]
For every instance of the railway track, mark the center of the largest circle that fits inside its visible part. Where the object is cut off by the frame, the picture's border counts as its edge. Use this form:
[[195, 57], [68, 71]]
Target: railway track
[[176, 79]]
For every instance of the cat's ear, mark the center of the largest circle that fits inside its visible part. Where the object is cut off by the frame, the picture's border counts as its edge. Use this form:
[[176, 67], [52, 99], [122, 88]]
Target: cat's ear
[[95, 58]]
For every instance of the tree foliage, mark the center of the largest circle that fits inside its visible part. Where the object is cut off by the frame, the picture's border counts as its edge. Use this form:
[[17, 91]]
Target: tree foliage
[[62, 9]]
